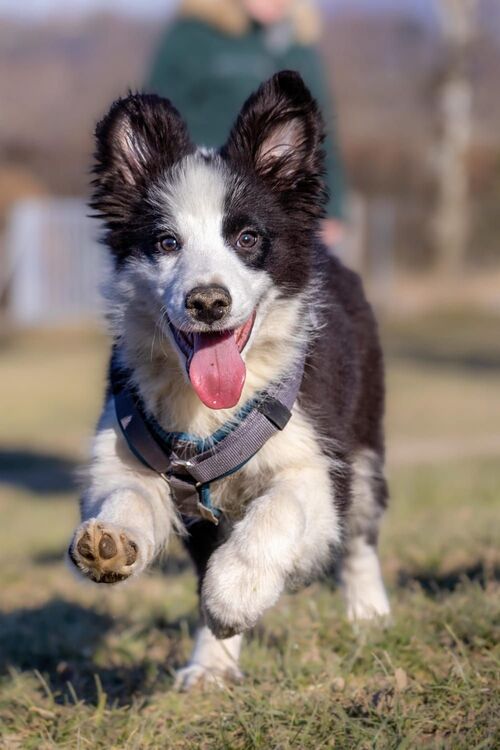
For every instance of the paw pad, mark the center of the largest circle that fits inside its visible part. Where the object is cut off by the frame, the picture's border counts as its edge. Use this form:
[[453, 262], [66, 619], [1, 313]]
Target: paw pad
[[103, 553]]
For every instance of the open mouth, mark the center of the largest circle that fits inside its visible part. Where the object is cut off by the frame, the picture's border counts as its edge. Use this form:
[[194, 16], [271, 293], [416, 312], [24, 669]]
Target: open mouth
[[214, 363]]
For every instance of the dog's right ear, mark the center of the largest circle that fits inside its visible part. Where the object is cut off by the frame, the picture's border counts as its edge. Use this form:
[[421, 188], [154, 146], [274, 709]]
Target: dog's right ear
[[141, 136]]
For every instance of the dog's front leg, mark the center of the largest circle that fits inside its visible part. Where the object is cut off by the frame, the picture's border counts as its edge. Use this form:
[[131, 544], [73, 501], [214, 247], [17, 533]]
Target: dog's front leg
[[126, 510], [285, 533]]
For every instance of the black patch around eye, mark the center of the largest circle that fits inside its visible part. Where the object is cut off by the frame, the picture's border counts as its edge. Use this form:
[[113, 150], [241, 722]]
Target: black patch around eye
[[137, 234], [286, 234], [143, 239], [234, 224], [247, 240]]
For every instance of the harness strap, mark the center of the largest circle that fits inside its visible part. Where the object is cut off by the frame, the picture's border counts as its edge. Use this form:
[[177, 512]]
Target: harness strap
[[140, 440], [239, 445], [190, 478]]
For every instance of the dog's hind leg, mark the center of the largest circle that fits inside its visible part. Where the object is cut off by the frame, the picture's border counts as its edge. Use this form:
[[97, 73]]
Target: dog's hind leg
[[360, 573], [126, 510], [213, 661]]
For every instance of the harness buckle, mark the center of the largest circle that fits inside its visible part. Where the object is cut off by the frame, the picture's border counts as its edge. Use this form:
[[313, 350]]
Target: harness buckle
[[207, 514], [192, 498], [179, 463], [276, 412]]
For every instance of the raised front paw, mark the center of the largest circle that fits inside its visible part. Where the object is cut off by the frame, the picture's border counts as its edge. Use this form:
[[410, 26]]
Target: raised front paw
[[105, 553], [235, 593]]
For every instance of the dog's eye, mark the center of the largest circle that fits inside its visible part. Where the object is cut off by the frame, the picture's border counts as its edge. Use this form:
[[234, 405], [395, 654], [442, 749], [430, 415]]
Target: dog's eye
[[246, 240], [168, 244]]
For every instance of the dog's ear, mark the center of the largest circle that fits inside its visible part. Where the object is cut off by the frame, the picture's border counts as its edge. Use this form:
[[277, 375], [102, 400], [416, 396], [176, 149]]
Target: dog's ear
[[279, 133], [141, 136]]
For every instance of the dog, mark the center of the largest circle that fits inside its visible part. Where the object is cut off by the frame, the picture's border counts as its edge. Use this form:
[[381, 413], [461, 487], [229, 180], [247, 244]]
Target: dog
[[223, 304]]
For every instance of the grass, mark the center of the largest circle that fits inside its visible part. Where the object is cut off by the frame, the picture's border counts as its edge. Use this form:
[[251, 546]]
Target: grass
[[89, 668]]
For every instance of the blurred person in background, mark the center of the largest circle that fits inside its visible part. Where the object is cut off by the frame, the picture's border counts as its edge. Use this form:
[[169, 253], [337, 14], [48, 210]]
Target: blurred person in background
[[218, 51]]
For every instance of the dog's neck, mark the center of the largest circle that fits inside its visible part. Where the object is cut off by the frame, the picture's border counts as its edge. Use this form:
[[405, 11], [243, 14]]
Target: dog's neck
[[160, 377]]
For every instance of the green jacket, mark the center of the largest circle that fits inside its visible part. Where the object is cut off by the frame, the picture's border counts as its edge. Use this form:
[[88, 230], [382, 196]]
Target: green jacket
[[208, 74]]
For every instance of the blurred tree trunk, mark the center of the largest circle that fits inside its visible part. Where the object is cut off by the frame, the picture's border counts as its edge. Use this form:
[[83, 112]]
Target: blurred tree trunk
[[452, 220]]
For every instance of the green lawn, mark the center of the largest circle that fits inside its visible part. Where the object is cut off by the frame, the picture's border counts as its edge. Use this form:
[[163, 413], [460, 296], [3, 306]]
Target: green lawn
[[85, 667]]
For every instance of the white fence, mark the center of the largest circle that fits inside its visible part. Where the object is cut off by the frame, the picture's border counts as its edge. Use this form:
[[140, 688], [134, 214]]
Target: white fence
[[54, 263]]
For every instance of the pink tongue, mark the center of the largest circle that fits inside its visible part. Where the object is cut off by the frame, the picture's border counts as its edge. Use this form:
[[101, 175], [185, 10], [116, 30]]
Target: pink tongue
[[217, 371]]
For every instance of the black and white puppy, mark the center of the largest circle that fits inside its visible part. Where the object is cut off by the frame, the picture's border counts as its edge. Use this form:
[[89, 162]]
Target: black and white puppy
[[218, 281]]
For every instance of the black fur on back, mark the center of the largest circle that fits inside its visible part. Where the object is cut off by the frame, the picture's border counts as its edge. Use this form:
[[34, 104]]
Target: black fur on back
[[343, 387]]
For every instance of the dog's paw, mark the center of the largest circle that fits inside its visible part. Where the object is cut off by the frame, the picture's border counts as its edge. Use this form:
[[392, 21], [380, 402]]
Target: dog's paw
[[367, 606], [200, 677], [235, 594], [105, 553]]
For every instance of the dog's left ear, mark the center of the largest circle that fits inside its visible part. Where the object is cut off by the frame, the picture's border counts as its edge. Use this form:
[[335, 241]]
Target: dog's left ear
[[278, 135]]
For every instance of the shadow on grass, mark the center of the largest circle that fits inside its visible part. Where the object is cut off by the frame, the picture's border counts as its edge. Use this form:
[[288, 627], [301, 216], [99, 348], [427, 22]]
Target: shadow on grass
[[40, 473], [436, 583], [65, 641], [172, 563], [49, 556], [427, 355]]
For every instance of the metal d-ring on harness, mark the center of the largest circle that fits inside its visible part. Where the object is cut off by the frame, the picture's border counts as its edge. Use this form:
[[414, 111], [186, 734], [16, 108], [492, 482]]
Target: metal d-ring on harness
[[190, 464]]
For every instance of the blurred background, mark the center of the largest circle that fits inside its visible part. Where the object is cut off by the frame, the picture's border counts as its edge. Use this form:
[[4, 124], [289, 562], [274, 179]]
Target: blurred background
[[417, 117], [417, 125]]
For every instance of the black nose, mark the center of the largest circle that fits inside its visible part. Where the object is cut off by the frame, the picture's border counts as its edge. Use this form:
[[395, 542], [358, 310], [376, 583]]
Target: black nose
[[208, 303]]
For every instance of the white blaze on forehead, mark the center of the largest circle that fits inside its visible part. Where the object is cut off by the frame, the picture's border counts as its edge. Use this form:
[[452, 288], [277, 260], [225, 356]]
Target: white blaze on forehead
[[193, 196], [191, 204]]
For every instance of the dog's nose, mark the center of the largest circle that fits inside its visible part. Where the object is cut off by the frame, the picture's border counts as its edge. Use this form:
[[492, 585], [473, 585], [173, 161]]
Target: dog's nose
[[208, 304]]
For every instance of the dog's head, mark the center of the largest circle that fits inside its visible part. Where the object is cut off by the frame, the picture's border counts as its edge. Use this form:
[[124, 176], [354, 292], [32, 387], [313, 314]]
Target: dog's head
[[206, 238]]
